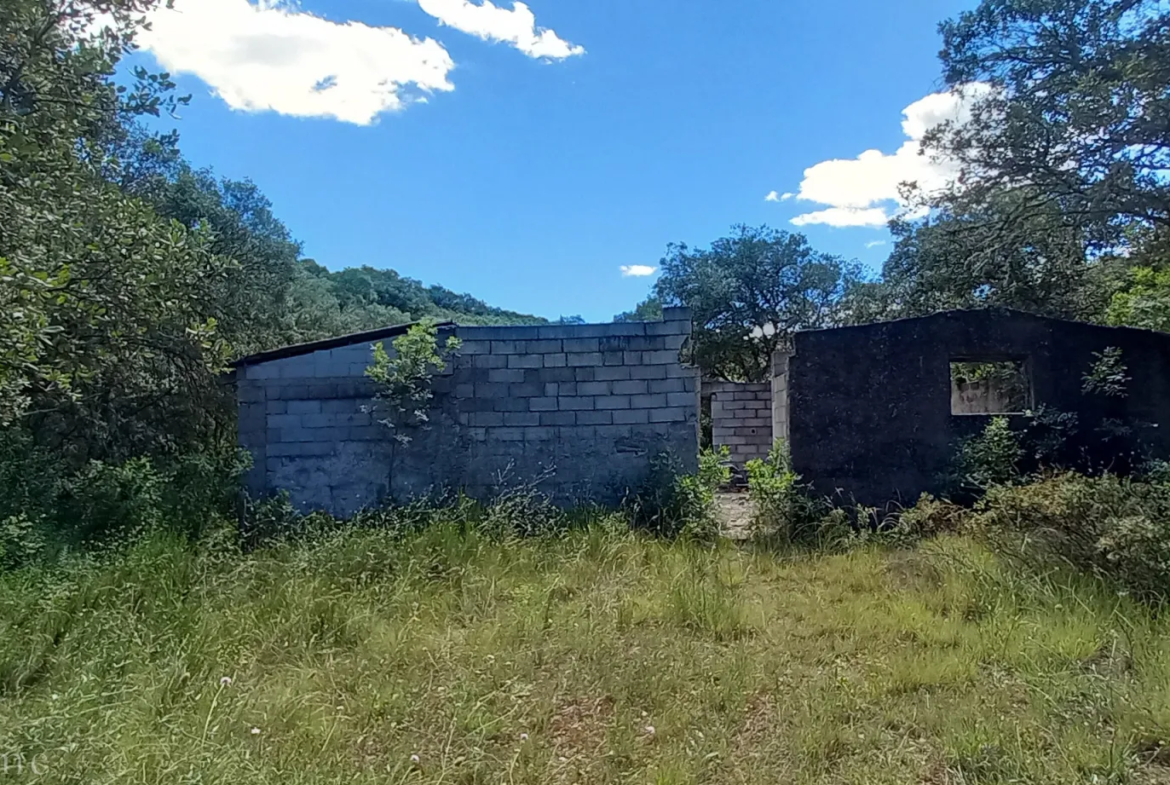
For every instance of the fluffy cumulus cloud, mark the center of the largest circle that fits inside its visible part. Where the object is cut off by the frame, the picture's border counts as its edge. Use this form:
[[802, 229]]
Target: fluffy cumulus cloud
[[863, 191], [637, 270], [271, 56], [516, 27]]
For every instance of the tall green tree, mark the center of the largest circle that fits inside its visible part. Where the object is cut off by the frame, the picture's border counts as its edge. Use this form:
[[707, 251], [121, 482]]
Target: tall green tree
[[980, 259], [1061, 164], [112, 331], [748, 293], [1077, 117]]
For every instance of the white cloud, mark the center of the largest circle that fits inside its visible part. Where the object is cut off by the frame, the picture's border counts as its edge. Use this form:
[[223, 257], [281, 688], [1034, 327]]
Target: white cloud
[[875, 243], [273, 57], [776, 196], [863, 191], [637, 270], [844, 216], [786, 197], [492, 23]]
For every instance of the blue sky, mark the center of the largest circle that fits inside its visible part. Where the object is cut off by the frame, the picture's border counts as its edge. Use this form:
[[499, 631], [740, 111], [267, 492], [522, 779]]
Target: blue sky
[[464, 146]]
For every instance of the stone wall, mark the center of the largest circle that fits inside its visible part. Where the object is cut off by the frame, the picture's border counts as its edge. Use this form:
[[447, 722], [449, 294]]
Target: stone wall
[[741, 419], [870, 407], [780, 431], [579, 410]]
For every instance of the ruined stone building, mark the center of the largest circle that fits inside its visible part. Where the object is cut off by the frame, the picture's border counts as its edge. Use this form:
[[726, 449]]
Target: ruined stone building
[[578, 411], [870, 414], [873, 413]]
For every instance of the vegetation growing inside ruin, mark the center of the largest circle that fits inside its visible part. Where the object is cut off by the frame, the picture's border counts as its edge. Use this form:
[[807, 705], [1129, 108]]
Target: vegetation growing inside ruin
[[405, 377]]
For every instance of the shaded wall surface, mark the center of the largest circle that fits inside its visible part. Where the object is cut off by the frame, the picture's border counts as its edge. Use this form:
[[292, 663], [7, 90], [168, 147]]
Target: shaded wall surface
[[741, 418], [869, 409], [579, 411]]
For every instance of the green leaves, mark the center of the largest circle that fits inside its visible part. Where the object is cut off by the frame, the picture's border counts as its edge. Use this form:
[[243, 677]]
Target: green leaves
[[108, 310], [757, 279], [1076, 115], [404, 378]]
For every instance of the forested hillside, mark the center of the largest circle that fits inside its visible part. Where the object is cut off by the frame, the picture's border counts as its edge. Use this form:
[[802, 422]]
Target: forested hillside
[[129, 279], [367, 297]]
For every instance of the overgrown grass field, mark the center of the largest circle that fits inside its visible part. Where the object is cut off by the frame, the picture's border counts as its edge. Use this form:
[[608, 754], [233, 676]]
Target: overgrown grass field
[[595, 657]]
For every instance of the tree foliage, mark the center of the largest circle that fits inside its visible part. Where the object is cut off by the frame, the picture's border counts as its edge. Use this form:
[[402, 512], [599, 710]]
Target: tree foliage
[[649, 310], [757, 279], [107, 314], [404, 377], [1078, 114], [976, 259], [1061, 167]]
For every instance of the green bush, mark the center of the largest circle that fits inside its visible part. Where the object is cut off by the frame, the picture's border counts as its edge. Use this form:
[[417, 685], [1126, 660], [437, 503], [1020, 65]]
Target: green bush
[[784, 508], [1113, 527], [521, 512], [22, 540], [930, 517], [991, 458], [107, 502], [47, 508], [671, 503]]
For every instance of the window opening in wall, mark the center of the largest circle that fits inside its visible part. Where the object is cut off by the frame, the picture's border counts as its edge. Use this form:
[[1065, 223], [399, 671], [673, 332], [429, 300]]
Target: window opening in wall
[[990, 387]]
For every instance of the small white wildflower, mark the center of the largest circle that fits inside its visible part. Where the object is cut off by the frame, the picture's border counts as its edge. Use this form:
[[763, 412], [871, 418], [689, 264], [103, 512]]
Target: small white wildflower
[[255, 731], [523, 737], [415, 759], [56, 696], [649, 730], [225, 681]]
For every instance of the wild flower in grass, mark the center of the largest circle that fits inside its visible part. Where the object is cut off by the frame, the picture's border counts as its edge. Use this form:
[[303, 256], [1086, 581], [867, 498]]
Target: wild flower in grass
[[225, 681], [649, 730], [523, 737], [255, 731], [415, 759]]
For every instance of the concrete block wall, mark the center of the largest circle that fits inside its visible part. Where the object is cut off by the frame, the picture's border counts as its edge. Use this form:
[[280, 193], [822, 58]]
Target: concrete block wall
[[741, 419], [580, 410], [780, 361]]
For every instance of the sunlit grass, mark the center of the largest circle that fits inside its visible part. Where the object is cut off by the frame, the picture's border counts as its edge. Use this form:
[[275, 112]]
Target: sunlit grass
[[598, 657]]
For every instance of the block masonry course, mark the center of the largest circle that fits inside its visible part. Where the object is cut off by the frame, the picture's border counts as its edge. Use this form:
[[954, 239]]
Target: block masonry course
[[741, 418], [579, 411]]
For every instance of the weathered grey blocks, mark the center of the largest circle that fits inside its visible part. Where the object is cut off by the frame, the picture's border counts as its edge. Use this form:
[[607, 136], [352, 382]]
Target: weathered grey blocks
[[592, 404], [741, 418]]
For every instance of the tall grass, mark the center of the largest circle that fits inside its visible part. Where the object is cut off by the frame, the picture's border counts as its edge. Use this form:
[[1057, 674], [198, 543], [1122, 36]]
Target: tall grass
[[598, 656]]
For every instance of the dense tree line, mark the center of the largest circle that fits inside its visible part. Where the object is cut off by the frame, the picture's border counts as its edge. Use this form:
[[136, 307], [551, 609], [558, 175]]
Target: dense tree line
[[129, 278]]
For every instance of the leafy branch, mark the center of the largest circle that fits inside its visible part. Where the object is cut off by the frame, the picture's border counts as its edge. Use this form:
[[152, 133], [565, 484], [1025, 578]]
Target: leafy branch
[[405, 378]]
